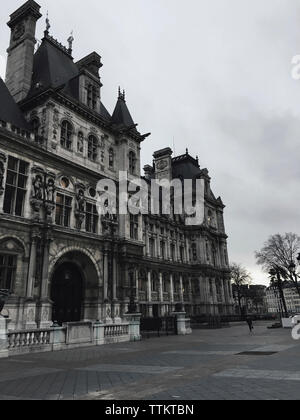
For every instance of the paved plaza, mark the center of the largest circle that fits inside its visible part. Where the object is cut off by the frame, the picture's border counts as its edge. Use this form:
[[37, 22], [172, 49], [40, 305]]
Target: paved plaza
[[226, 364]]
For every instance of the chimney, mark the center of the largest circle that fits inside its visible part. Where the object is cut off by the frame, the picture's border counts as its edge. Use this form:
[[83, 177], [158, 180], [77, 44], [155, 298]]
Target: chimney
[[163, 164], [21, 49]]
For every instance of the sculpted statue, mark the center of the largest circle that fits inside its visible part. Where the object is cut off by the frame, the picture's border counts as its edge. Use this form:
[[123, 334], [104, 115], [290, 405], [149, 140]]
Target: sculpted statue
[[38, 187], [50, 190], [80, 202]]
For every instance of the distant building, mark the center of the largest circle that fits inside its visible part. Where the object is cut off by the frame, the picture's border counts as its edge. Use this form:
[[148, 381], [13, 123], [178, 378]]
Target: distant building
[[291, 296], [252, 299]]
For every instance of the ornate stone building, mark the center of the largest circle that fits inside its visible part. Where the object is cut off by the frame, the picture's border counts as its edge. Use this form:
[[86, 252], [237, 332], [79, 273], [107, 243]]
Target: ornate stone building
[[61, 260]]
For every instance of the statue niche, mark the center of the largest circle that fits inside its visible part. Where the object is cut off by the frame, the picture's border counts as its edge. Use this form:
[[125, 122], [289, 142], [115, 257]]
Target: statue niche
[[80, 209]]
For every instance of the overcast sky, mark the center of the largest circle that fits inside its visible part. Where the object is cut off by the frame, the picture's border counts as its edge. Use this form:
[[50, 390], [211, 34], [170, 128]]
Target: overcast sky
[[215, 76]]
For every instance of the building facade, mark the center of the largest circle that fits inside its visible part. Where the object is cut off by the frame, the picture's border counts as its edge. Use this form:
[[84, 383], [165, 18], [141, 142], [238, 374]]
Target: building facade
[[60, 258], [291, 296]]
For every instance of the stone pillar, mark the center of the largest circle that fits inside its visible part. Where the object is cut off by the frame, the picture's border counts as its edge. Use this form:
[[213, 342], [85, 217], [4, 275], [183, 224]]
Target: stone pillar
[[181, 289], [105, 275], [149, 292], [30, 305], [161, 296], [3, 337], [171, 288], [45, 306]]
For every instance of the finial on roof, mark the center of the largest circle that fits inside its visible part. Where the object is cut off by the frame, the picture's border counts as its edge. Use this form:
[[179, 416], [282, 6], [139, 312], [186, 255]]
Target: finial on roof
[[121, 94], [70, 42], [48, 26], [187, 151]]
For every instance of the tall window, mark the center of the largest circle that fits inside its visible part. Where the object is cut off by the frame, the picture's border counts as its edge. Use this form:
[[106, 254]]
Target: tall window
[[194, 252], [92, 148], [63, 210], [134, 227], [92, 97], [35, 123], [7, 271], [182, 253], [132, 163], [80, 142], [151, 247], [172, 252], [66, 135], [162, 250], [91, 218], [15, 188], [111, 158]]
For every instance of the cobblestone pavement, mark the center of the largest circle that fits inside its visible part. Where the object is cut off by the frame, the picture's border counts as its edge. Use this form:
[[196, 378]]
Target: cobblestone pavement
[[226, 364]]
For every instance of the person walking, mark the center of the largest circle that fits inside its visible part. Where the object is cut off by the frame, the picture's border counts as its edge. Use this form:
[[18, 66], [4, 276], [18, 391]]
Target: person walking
[[250, 325]]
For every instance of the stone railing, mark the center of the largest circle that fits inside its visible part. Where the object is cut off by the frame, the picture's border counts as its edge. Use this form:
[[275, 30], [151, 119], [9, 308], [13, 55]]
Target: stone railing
[[155, 296], [70, 335], [28, 339], [177, 297], [166, 296], [116, 330]]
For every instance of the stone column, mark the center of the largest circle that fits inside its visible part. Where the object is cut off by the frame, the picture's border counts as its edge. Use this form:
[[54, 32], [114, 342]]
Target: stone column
[[45, 306], [3, 337], [171, 288], [30, 304], [161, 296], [149, 293], [105, 276], [181, 289]]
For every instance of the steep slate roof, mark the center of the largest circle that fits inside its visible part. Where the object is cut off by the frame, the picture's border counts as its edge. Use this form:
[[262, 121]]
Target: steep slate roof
[[9, 110], [53, 67], [121, 114], [185, 166]]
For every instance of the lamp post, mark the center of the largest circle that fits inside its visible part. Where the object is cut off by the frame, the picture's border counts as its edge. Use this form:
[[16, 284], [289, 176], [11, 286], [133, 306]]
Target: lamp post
[[276, 274]]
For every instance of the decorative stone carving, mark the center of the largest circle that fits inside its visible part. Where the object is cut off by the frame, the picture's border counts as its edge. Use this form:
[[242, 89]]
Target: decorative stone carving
[[2, 171], [50, 190], [161, 165], [38, 187], [80, 208]]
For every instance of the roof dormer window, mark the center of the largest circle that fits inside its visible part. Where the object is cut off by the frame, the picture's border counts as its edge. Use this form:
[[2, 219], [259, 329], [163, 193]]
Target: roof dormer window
[[92, 97]]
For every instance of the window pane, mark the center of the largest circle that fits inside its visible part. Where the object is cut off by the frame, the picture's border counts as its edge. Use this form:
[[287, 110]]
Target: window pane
[[23, 167], [13, 163], [11, 178], [22, 180], [19, 202], [8, 200]]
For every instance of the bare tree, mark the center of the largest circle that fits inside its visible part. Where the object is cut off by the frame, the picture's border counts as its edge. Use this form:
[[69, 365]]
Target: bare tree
[[278, 253], [240, 278]]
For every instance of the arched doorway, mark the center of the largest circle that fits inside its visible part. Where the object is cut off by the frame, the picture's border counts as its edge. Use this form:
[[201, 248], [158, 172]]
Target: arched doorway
[[67, 293]]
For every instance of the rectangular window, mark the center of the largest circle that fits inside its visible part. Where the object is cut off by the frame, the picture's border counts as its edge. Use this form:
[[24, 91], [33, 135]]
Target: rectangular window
[[151, 247], [173, 252], [63, 210], [91, 218], [7, 271], [162, 250], [15, 187], [134, 227]]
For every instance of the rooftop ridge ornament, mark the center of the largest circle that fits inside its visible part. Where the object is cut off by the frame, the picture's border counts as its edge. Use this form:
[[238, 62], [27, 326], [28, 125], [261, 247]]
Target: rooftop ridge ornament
[[122, 95], [70, 42], [48, 26]]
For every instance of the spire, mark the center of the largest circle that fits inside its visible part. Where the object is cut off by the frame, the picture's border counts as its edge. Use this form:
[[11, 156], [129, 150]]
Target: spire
[[121, 114]]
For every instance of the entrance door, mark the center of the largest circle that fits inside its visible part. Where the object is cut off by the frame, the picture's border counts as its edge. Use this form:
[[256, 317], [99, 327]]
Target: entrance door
[[67, 294]]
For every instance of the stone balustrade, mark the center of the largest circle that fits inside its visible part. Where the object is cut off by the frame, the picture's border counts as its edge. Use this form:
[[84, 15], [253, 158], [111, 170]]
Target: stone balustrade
[[70, 335]]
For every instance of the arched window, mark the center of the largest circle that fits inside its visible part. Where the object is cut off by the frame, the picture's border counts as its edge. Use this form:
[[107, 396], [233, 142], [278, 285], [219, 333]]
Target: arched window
[[92, 148], [132, 163], [66, 135], [111, 158], [80, 142]]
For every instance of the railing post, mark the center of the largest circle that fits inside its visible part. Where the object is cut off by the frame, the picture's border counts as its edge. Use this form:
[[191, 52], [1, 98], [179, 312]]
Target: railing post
[[134, 321], [3, 337]]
